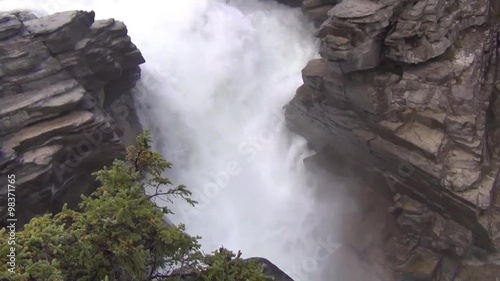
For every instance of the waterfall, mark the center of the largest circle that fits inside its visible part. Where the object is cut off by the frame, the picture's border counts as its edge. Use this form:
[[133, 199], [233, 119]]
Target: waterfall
[[217, 76]]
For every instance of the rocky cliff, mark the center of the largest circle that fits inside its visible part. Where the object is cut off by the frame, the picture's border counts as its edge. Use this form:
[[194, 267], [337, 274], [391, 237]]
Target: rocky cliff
[[65, 83], [406, 92]]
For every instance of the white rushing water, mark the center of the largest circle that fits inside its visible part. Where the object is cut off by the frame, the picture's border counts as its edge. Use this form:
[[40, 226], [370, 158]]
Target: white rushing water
[[216, 79]]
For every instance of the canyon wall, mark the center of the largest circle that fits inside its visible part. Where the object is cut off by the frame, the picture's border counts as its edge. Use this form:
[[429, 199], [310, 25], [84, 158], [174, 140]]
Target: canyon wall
[[405, 93], [65, 99]]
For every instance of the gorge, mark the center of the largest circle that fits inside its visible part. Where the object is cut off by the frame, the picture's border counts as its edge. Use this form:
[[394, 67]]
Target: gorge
[[383, 165]]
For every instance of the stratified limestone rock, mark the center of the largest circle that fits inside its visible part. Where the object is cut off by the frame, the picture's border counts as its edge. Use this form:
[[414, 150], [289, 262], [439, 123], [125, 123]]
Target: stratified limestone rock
[[431, 229], [425, 29], [58, 83], [61, 31], [407, 92], [353, 33], [432, 116], [357, 34]]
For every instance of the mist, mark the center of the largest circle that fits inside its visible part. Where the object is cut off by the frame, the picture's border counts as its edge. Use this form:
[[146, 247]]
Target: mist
[[212, 92]]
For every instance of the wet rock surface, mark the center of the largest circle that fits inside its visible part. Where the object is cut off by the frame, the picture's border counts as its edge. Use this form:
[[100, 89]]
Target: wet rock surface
[[406, 92], [59, 114]]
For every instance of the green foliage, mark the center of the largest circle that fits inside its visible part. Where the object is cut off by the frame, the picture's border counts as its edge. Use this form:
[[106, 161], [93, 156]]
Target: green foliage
[[225, 265], [120, 234]]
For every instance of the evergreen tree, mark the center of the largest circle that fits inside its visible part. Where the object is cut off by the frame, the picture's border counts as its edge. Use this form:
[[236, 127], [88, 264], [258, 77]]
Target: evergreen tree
[[120, 234]]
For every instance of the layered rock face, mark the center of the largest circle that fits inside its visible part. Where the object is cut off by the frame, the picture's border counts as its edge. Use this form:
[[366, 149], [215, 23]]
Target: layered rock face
[[65, 83], [406, 92]]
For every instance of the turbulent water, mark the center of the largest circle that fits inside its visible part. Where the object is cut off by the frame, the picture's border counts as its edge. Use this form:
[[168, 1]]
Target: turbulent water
[[216, 79]]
